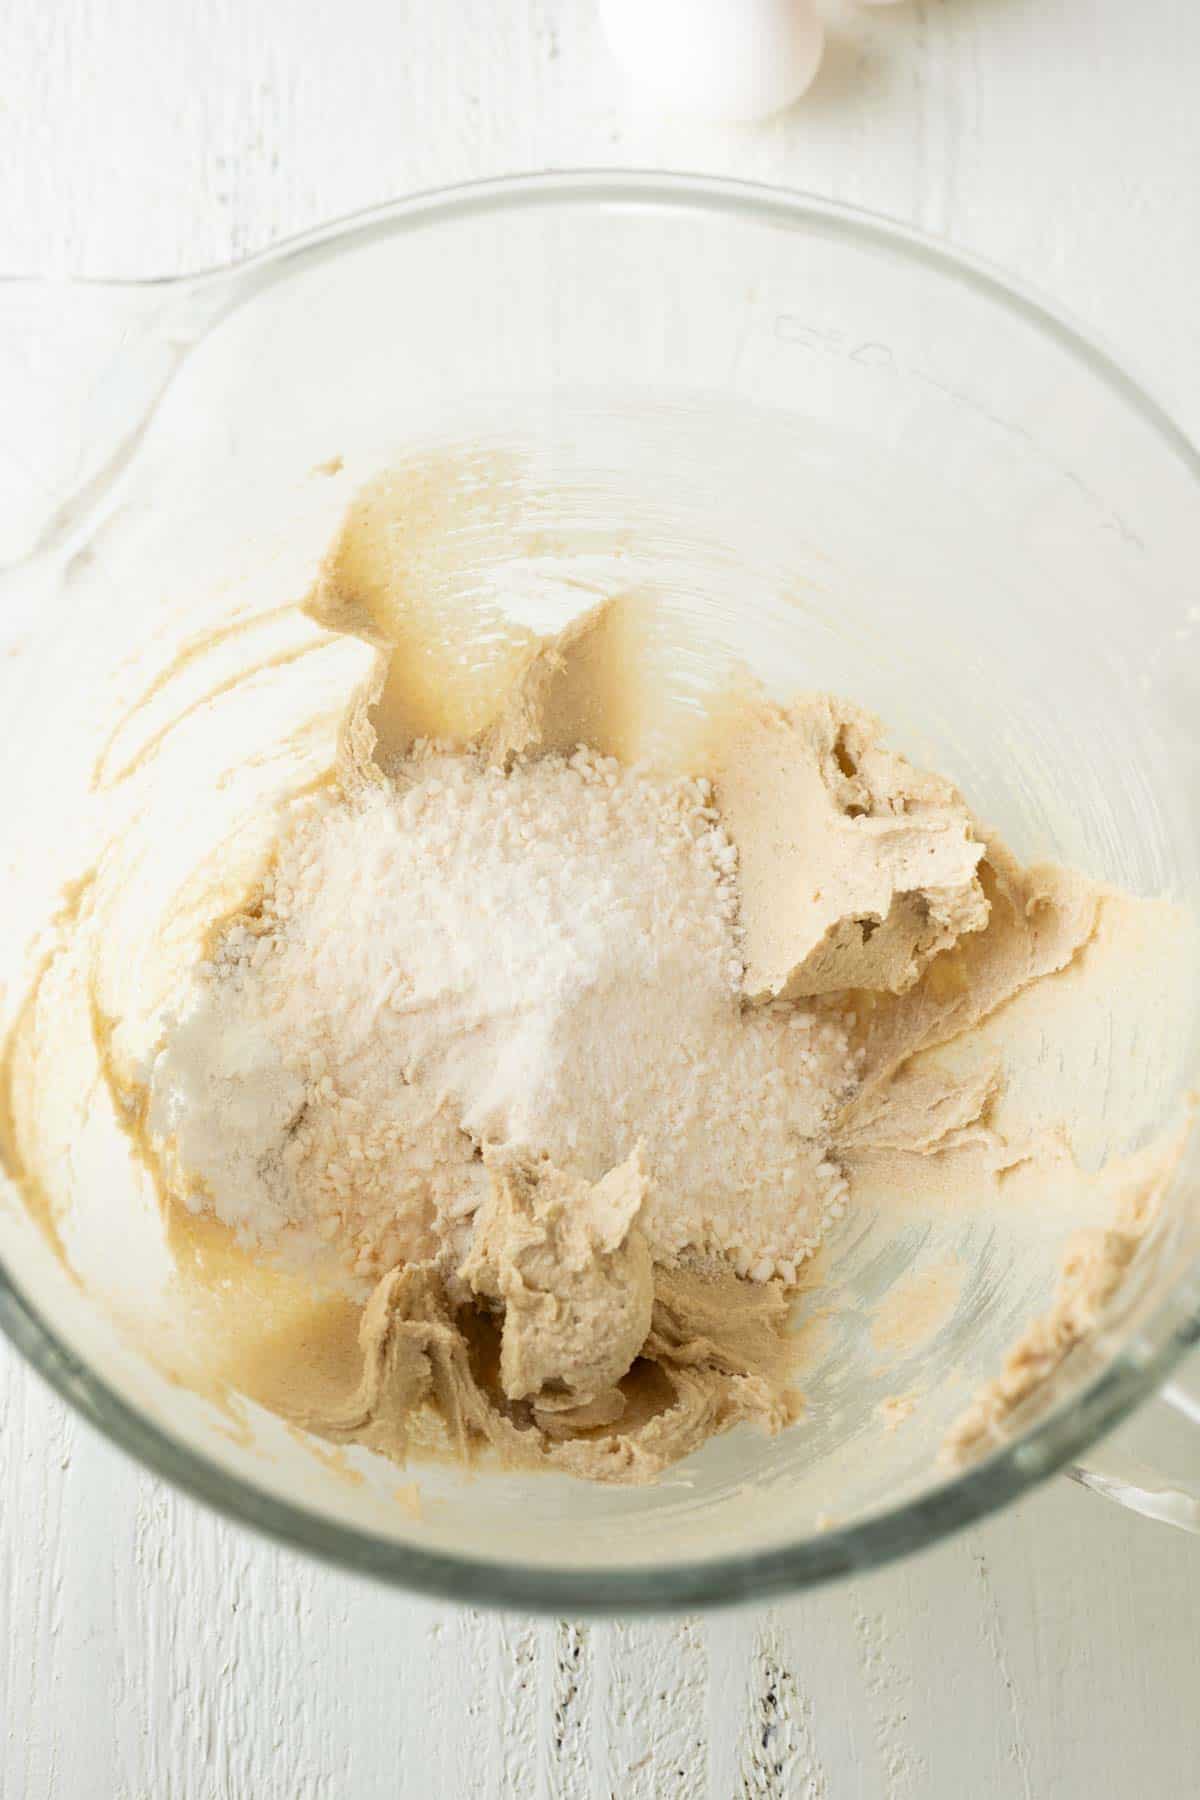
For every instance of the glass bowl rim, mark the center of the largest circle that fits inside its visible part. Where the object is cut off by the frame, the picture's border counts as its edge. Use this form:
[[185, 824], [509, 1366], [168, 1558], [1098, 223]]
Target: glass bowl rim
[[867, 1542]]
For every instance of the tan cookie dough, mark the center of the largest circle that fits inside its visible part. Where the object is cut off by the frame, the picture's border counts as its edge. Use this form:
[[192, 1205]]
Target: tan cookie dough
[[856, 869], [1094, 1268], [715, 1355], [857, 872], [566, 1262], [566, 1335]]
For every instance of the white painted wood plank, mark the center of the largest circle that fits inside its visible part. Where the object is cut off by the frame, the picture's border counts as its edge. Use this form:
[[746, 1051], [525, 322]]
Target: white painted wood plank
[[184, 1656], [146, 1648], [1058, 136]]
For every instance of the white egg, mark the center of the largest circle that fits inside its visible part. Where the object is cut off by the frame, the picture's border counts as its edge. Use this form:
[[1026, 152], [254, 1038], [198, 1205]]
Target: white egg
[[722, 59]]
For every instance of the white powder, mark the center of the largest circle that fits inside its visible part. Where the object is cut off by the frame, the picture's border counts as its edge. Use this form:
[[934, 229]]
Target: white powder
[[547, 957]]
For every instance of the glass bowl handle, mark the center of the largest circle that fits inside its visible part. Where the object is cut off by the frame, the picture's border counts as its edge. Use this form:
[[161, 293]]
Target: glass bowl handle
[[82, 368], [1139, 1485]]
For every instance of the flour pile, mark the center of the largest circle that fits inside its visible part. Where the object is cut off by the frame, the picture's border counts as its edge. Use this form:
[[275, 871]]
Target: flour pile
[[543, 959]]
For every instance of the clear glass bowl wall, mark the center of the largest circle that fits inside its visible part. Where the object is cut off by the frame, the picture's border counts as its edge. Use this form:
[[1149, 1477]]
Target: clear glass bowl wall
[[836, 451]]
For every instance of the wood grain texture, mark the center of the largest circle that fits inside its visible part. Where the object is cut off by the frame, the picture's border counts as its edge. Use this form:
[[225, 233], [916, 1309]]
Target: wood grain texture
[[149, 1651]]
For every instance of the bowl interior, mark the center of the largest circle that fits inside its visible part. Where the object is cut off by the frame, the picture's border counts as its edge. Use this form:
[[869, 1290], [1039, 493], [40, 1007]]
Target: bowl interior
[[824, 450]]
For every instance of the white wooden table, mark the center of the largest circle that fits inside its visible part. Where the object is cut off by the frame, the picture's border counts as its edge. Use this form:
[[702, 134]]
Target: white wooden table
[[149, 1650]]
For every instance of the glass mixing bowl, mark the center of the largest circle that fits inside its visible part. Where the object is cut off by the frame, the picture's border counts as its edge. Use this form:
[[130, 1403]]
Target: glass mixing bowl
[[856, 458]]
